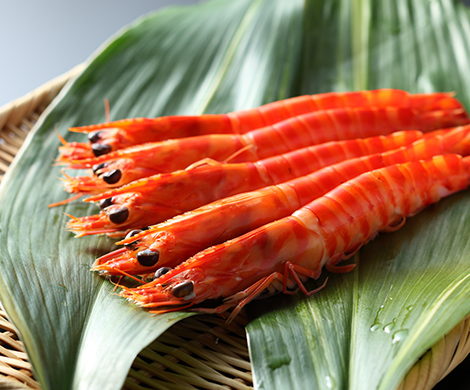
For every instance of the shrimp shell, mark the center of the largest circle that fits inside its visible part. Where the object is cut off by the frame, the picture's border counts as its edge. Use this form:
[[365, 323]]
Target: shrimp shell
[[155, 199], [315, 128], [128, 132], [187, 234], [278, 254]]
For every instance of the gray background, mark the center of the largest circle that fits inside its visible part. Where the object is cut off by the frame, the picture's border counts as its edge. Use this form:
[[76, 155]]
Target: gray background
[[40, 40]]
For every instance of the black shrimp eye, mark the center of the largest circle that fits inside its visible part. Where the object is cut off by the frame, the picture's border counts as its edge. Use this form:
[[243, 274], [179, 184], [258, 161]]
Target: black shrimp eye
[[94, 136], [183, 289], [95, 168], [147, 257], [132, 233], [119, 215], [100, 149], [161, 271], [112, 177], [105, 203]]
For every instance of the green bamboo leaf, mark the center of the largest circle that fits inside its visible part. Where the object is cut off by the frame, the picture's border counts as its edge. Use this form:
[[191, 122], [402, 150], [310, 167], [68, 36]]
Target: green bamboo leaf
[[410, 288], [216, 57]]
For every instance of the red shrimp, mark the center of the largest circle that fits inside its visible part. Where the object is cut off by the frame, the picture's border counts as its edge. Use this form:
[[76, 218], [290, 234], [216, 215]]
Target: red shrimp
[[169, 243], [112, 136], [277, 256], [152, 200], [118, 168]]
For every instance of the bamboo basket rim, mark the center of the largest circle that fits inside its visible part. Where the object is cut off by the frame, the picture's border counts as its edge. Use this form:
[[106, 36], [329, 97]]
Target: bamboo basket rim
[[213, 355]]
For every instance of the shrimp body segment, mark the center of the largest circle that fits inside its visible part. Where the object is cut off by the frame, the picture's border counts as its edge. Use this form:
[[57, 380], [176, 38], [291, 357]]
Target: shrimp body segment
[[112, 136], [278, 255], [152, 200], [185, 235], [133, 163]]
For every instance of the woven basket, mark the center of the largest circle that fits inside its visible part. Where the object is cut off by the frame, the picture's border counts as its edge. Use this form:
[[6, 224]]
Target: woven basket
[[200, 352]]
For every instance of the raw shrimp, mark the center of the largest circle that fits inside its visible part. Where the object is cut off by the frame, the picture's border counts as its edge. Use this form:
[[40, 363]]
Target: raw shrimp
[[111, 136], [118, 168], [278, 255], [169, 243], [149, 201]]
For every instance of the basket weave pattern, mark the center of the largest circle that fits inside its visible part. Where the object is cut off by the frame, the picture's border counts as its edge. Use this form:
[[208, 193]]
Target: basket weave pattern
[[200, 352]]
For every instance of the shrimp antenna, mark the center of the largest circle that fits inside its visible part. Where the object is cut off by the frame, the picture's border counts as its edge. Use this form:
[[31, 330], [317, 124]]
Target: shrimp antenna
[[106, 110], [237, 153], [129, 275], [62, 202], [61, 139], [117, 284]]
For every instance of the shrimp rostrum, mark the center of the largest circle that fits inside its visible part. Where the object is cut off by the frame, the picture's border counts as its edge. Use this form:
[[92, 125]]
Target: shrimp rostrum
[[282, 254]]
